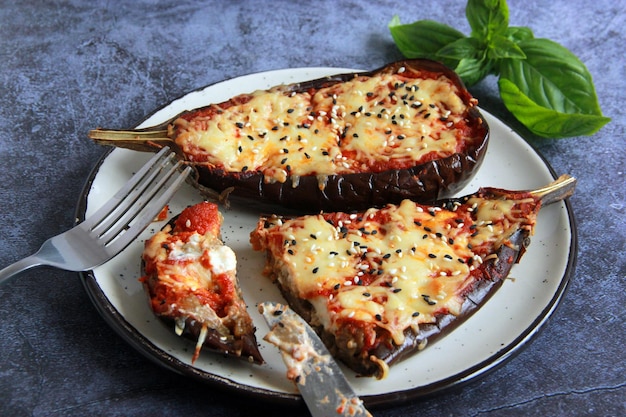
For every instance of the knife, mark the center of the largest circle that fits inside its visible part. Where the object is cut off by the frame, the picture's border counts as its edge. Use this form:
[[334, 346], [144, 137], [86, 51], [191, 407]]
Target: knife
[[310, 366]]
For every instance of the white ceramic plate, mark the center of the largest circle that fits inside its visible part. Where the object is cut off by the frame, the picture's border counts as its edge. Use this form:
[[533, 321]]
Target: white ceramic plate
[[504, 324]]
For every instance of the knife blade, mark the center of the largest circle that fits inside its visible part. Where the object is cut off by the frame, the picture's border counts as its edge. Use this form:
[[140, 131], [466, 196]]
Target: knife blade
[[322, 384]]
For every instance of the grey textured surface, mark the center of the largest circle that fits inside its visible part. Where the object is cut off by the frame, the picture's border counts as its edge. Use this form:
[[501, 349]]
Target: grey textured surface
[[69, 66]]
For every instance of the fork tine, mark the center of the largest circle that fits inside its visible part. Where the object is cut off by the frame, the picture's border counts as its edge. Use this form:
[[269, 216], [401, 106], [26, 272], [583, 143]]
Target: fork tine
[[149, 212], [120, 219], [103, 212], [115, 217]]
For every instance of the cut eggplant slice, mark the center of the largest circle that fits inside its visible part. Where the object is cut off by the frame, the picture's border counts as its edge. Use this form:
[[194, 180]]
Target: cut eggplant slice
[[190, 278], [381, 284]]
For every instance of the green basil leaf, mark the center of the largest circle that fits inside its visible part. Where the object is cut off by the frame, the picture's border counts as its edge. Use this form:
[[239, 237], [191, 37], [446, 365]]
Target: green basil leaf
[[552, 77], [519, 33], [462, 48], [472, 70], [423, 38], [544, 121], [487, 18], [473, 61], [501, 47]]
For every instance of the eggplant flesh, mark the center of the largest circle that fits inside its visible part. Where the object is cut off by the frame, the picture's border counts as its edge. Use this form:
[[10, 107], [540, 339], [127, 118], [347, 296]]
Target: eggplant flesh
[[425, 181]]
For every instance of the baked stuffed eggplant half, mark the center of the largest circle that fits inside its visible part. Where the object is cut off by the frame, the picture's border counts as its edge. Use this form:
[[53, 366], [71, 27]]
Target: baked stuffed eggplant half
[[408, 130], [383, 284], [190, 278]]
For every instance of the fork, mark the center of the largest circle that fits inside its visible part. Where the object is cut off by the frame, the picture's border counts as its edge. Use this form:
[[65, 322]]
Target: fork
[[113, 226]]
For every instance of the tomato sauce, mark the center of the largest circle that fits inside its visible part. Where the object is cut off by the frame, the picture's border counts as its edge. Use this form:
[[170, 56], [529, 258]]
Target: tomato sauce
[[202, 218]]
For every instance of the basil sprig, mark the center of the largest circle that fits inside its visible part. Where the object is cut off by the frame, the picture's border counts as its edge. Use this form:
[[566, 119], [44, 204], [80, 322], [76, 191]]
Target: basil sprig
[[545, 86]]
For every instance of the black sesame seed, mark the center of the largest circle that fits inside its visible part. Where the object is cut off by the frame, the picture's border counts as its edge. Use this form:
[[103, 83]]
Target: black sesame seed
[[428, 300]]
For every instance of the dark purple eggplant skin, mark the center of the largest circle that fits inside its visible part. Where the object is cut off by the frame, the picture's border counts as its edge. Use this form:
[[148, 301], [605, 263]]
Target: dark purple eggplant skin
[[424, 183], [244, 348]]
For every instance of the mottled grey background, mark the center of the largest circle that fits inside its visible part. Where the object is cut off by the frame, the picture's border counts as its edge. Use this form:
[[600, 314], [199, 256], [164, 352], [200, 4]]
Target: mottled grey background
[[69, 66]]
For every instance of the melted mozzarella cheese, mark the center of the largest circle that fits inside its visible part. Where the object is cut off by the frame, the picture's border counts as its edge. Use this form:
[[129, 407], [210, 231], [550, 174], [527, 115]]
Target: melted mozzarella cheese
[[398, 267], [353, 126], [190, 264]]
